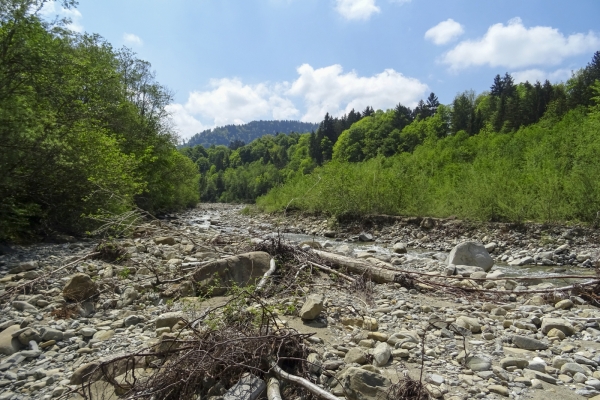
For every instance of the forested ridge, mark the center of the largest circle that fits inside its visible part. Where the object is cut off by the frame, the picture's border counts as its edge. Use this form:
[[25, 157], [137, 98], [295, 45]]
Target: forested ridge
[[245, 133], [513, 153], [84, 135]]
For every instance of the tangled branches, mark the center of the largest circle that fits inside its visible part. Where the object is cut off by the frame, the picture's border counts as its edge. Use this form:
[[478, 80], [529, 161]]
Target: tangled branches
[[209, 355]]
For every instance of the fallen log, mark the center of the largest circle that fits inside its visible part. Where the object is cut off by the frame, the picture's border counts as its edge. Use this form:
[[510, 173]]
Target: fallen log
[[311, 387], [273, 392], [377, 274], [333, 271]]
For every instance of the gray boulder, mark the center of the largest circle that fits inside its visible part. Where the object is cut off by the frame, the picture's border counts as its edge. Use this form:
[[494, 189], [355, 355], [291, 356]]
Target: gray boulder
[[381, 354], [9, 344], [527, 343], [471, 254], [558, 323], [242, 270], [312, 307], [80, 287], [361, 384]]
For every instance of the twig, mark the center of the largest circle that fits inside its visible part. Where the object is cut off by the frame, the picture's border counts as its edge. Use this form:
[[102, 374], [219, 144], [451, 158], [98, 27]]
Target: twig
[[346, 277]]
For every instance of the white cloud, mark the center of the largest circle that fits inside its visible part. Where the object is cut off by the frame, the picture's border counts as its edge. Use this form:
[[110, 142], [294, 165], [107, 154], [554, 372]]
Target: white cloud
[[444, 32], [322, 90], [52, 9], [356, 9], [515, 46], [330, 90], [533, 75], [132, 39]]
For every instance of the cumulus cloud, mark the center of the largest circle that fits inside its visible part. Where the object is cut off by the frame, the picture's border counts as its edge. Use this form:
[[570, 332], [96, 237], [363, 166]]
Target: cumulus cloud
[[533, 75], [330, 90], [52, 9], [444, 32], [356, 9], [132, 39], [321, 90], [515, 46]]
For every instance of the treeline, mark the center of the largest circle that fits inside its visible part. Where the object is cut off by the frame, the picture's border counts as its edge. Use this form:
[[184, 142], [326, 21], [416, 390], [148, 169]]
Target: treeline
[[245, 133], [517, 151], [83, 130]]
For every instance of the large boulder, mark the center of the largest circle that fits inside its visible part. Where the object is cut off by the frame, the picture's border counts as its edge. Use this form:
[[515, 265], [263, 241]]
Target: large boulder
[[80, 287], [361, 384], [557, 323], [312, 307], [472, 254], [242, 270], [9, 344]]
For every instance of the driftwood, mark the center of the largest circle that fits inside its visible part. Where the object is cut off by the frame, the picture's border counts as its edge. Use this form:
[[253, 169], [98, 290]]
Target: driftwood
[[267, 274], [311, 387], [378, 274], [382, 274], [333, 271], [273, 392]]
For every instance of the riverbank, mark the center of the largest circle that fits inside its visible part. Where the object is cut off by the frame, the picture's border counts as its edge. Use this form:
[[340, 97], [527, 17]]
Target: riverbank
[[381, 329]]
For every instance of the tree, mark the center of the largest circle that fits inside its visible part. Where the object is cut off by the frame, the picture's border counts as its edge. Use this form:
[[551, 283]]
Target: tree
[[432, 104]]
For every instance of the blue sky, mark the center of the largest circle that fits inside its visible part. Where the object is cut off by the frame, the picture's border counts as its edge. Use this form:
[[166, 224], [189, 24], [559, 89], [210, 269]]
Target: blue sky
[[234, 61]]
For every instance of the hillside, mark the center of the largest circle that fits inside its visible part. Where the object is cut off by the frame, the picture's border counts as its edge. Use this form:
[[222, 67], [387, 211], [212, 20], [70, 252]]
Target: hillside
[[246, 133]]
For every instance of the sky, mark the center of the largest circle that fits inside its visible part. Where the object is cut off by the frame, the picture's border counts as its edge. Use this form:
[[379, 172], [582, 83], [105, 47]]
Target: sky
[[235, 61]]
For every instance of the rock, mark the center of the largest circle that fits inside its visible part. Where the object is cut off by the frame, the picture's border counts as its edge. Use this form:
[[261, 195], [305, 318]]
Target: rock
[[564, 304], [530, 374], [561, 249], [27, 335], [365, 237], [24, 306], [168, 320], [23, 267], [537, 364], [536, 384], [571, 368], [242, 270], [80, 287], [477, 363], [249, 387], [133, 320], [355, 355], [522, 261], [168, 240], [558, 323], [436, 379], [129, 296], [51, 334], [381, 354], [556, 333], [8, 344], [400, 248], [314, 363], [527, 343], [513, 362], [311, 244], [499, 389], [360, 384], [104, 335], [312, 307], [471, 254], [469, 323], [88, 332], [465, 270], [85, 373]]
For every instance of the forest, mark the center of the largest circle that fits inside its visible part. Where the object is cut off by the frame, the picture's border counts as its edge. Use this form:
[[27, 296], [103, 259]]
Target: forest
[[517, 152], [84, 135], [245, 133]]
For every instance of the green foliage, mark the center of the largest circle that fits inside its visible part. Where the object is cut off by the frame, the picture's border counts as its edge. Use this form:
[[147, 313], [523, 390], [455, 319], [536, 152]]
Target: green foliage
[[83, 130]]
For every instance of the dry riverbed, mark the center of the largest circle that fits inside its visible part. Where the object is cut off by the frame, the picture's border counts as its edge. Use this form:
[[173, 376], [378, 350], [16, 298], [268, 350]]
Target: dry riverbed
[[65, 307]]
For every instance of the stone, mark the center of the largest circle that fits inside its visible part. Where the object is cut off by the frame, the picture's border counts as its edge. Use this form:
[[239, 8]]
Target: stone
[[513, 362], [168, 240], [23, 267], [241, 270], [27, 335], [378, 336], [51, 334], [471, 254], [85, 372], [558, 323], [537, 364], [80, 287], [400, 248], [355, 355], [499, 389], [9, 344], [249, 387], [312, 307], [469, 323], [104, 335], [564, 304], [536, 384], [381, 354], [365, 237], [522, 261], [133, 320], [527, 343], [88, 332], [556, 333], [530, 374], [360, 384], [314, 363], [24, 306], [129, 296], [465, 270], [478, 363], [572, 368], [168, 320]]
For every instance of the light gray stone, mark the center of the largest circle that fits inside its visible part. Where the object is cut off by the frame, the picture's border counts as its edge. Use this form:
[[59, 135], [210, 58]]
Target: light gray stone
[[472, 254], [312, 306]]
